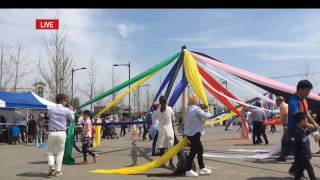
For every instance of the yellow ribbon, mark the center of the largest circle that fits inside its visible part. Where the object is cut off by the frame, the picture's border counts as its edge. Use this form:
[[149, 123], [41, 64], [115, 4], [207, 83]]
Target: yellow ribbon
[[145, 167], [193, 76]]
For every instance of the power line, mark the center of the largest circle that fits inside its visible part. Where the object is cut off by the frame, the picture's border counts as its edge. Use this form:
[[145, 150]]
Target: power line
[[294, 75]]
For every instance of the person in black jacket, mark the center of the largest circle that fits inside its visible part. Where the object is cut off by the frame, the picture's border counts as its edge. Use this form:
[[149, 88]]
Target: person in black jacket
[[302, 152], [32, 128]]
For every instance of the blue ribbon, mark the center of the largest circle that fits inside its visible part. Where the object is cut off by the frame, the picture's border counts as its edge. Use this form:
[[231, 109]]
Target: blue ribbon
[[178, 90], [166, 80]]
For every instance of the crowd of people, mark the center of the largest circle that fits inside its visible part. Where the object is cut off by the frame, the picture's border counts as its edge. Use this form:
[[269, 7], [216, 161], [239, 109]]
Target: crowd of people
[[297, 122], [35, 130]]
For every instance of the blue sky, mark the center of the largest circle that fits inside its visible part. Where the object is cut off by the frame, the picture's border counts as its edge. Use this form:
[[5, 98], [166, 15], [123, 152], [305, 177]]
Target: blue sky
[[264, 41]]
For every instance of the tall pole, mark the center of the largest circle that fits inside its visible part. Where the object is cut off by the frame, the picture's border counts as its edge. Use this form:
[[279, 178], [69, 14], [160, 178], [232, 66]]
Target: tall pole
[[138, 101], [129, 93], [72, 86], [113, 95], [148, 98], [72, 71]]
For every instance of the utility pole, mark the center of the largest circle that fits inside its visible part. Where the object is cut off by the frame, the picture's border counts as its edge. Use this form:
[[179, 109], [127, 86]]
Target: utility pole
[[148, 99], [72, 72], [129, 67], [113, 95]]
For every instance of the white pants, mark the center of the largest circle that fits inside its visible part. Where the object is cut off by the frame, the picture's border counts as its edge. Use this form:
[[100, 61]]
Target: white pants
[[56, 142]]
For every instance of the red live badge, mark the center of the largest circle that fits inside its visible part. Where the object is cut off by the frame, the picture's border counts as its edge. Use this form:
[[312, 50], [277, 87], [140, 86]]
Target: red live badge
[[47, 24]]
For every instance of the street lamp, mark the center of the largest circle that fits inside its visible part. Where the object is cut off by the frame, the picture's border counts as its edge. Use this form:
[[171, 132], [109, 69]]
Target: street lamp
[[72, 71], [129, 67]]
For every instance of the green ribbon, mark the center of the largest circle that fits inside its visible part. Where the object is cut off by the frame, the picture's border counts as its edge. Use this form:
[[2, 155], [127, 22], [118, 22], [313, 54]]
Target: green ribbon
[[67, 157], [134, 79]]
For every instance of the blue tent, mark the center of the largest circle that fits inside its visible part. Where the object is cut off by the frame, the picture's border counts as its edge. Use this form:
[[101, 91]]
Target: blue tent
[[25, 100]]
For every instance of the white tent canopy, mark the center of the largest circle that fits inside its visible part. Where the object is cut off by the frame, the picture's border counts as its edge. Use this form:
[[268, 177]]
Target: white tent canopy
[[44, 101], [2, 103]]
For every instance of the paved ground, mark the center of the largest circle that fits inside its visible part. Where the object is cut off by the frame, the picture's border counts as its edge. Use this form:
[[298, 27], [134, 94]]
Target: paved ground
[[28, 162]]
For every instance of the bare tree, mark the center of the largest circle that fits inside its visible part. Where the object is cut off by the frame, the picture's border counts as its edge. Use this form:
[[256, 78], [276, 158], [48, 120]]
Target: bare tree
[[20, 64], [57, 74], [5, 69], [92, 75]]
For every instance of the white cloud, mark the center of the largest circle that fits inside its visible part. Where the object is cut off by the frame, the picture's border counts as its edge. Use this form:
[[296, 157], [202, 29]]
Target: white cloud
[[125, 30], [289, 56], [215, 40]]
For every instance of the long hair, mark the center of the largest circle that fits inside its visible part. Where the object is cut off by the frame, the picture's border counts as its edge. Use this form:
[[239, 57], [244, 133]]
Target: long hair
[[163, 103]]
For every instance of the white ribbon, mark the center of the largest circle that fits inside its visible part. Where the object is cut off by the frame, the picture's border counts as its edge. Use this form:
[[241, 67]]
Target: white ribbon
[[235, 82], [237, 101]]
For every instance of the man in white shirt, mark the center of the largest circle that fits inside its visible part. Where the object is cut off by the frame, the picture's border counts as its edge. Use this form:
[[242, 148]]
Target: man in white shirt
[[57, 126]]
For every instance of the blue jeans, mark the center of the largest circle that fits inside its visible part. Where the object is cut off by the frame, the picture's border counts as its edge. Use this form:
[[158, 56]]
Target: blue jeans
[[39, 138]]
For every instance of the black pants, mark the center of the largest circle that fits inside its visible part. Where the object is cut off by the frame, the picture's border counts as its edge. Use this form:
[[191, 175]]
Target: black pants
[[145, 132], [123, 131], [78, 133], [258, 130], [154, 143], [85, 149], [289, 147], [273, 129], [104, 132], [300, 166], [286, 144], [139, 130], [196, 149]]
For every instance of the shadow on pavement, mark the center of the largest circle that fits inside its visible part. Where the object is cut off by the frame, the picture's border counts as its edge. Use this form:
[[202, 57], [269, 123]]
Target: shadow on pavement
[[133, 154], [267, 161], [107, 152], [33, 174], [163, 175], [270, 178], [258, 145], [39, 162]]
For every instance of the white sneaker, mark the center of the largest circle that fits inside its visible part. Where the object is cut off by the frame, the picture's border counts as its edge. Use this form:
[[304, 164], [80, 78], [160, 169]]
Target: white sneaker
[[191, 173], [205, 171]]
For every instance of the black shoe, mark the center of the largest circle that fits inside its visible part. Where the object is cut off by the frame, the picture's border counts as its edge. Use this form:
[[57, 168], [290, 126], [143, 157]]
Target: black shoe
[[303, 177], [281, 159], [291, 173]]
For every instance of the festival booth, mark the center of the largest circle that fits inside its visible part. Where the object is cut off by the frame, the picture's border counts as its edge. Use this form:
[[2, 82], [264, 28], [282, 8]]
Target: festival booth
[[201, 72], [15, 108]]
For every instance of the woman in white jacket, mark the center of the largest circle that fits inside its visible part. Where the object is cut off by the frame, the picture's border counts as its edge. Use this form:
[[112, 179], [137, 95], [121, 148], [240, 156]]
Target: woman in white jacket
[[165, 115], [193, 129]]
